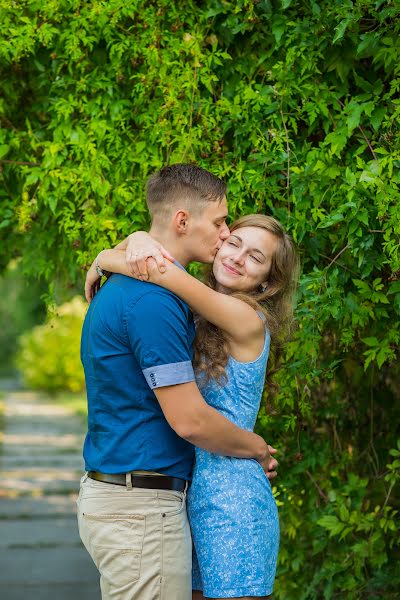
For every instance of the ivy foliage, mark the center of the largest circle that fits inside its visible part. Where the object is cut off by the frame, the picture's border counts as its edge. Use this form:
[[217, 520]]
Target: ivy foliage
[[296, 105]]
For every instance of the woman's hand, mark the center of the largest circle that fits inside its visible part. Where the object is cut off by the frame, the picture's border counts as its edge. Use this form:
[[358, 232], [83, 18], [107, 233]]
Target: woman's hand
[[270, 464], [140, 247], [92, 282]]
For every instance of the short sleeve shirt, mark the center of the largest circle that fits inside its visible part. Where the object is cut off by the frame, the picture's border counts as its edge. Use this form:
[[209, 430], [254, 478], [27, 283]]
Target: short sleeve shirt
[[136, 337], [157, 329]]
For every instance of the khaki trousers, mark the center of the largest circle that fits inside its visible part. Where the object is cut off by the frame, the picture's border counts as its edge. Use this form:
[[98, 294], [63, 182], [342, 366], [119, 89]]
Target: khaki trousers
[[139, 540]]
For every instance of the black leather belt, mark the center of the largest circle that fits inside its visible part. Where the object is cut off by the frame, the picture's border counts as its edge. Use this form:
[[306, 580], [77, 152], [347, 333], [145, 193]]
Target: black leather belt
[[152, 482]]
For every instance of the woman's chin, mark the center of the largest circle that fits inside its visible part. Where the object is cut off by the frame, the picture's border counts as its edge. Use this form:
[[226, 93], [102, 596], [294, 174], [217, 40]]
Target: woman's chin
[[225, 286]]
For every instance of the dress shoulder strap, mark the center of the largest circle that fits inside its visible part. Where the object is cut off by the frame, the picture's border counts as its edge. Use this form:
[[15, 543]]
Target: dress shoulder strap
[[262, 317]]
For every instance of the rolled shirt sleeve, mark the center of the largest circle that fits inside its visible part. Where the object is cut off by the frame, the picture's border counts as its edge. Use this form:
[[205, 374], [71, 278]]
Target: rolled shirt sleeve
[[158, 329]]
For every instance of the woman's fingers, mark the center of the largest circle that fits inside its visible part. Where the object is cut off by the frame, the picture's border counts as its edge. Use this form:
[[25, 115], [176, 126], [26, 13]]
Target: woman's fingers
[[160, 260], [88, 294], [142, 267], [273, 464], [131, 261], [138, 262], [140, 248], [92, 284], [166, 254]]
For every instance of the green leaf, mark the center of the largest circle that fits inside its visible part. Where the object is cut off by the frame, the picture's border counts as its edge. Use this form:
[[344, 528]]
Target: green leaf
[[353, 120], [278, 27], [331, 220], [377, 117], [341, 29], [332, 524], [344, 513], [337, 139], [52, 203], [371, 341], [4, 148]]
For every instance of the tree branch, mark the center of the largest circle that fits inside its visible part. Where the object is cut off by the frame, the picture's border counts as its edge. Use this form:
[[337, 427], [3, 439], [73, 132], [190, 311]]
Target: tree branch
[[287, 150], [337, 255], [320, 492], [363, 134], [20, 162]]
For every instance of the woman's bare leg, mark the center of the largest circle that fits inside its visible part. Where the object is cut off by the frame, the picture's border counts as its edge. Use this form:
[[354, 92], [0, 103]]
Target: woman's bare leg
[[197, 595]]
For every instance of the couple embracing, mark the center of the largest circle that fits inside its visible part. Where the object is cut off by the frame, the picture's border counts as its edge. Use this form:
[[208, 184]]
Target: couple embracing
[[173, 400]]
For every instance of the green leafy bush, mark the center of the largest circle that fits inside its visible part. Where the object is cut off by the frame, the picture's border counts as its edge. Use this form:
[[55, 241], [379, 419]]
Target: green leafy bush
[[49, 354], [296, 105], [21, 307]]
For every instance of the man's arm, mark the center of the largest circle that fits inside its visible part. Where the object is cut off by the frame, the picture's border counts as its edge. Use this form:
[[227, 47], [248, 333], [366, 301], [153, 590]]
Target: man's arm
[[158, 331], [197, 422]]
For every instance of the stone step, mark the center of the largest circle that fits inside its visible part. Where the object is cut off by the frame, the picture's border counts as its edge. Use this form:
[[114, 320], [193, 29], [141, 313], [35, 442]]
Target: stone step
[[41, 555], [39, 481], [50, 439], [60, 591], [41, 533], [42, 507], [46, 567], [71, 462], [40, 449], [36, 409]]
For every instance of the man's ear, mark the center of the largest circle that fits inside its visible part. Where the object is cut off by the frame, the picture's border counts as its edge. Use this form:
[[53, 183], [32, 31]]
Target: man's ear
[[180, 220]]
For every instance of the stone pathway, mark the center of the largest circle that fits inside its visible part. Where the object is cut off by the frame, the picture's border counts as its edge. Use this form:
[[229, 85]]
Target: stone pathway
[[41, 555]]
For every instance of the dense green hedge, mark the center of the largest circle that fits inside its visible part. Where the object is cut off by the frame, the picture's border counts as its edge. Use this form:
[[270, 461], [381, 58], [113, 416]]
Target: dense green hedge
[[21, 307], [296, 105]]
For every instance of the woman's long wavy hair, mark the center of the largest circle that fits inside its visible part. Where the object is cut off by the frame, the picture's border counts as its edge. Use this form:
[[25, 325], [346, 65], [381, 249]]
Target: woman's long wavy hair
[[276, 302]]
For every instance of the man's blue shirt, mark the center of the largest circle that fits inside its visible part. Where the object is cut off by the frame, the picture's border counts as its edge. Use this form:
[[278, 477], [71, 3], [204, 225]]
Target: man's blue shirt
[[136, 337]]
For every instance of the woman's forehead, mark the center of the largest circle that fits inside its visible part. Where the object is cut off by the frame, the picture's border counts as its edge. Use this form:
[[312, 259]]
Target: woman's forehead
[[255, 237]]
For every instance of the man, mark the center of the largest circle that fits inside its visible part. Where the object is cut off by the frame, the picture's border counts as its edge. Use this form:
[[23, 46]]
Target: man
[[144, 408]]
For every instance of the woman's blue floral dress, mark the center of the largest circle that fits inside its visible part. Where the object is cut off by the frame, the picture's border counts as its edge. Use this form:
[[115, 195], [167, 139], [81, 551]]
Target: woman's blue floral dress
[[232, 511]]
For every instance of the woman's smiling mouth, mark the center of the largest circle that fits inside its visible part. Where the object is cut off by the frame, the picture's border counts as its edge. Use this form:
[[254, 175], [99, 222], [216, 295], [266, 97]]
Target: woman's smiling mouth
[[231, 269]]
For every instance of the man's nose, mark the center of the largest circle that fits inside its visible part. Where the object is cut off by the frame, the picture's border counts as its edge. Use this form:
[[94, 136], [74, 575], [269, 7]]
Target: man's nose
[[224, 232]]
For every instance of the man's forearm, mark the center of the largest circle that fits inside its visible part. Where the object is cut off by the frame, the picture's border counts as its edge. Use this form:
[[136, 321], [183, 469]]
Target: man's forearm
[[213, 432]]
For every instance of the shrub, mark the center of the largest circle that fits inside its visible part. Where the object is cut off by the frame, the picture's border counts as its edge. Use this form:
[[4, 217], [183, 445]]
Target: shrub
[[21, 307], [49, 354]]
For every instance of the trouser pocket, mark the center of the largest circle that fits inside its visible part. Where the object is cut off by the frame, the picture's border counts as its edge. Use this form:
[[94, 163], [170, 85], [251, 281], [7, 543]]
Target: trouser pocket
[[115, 543]]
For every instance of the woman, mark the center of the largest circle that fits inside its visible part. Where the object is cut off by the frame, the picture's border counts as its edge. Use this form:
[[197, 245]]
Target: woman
[[247, 301]]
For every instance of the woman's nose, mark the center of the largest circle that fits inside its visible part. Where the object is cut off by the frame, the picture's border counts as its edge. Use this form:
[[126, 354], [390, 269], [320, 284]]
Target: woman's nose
[[239, 258]]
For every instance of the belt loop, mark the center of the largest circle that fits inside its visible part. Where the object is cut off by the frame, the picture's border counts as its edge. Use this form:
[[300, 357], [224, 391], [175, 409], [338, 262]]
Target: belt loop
[[86, 475], [186, 488], [128, 479]]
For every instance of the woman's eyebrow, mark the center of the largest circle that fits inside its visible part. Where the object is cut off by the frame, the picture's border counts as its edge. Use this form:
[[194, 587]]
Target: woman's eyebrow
[[253, 249]]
